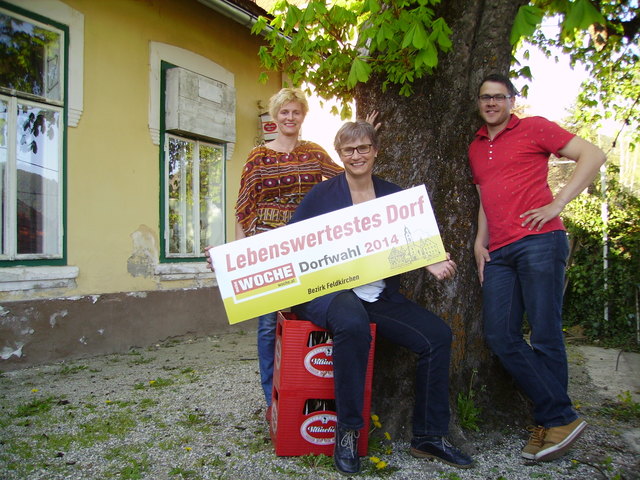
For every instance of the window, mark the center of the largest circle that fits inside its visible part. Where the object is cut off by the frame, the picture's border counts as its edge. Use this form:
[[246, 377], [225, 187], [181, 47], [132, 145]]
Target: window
[[197, 113], [32, 122], [194, 196]]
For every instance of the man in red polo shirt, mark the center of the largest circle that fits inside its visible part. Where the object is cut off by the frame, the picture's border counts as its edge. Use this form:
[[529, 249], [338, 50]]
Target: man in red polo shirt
[[521, 250]]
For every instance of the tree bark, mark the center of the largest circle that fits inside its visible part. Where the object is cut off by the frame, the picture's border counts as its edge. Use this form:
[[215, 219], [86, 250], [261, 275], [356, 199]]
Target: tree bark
[[424, 140]]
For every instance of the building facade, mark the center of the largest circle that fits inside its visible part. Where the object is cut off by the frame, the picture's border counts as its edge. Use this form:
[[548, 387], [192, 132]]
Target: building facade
[[124, 126]]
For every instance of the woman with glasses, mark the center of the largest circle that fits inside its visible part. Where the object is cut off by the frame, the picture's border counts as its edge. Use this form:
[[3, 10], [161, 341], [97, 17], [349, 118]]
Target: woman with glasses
[[347, 314]]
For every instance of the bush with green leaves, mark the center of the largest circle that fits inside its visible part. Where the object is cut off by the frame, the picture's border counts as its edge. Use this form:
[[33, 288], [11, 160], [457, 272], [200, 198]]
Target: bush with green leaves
[[590, 285]]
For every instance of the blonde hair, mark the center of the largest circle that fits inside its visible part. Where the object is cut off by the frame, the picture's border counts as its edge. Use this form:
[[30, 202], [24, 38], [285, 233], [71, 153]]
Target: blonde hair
[[284, 96]]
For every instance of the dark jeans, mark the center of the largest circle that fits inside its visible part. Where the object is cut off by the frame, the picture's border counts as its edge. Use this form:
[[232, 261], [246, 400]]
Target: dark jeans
[[405, 324], [528, 276]]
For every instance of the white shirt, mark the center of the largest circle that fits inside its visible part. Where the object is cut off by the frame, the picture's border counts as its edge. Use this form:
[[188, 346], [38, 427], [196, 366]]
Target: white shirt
[[370, 292]]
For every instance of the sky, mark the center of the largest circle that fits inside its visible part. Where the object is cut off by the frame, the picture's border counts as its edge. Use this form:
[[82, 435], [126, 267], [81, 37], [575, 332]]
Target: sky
[[554, 86]]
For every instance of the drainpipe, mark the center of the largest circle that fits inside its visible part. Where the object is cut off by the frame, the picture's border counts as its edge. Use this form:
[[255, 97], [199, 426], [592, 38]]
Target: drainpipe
[[234, 12]]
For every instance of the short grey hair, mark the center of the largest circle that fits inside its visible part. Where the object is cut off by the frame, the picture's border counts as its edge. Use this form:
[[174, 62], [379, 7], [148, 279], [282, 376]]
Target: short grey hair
[[353, 131]]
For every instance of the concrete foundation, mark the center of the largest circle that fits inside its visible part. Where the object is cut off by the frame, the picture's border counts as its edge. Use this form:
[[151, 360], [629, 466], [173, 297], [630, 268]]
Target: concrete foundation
[[43, 331]]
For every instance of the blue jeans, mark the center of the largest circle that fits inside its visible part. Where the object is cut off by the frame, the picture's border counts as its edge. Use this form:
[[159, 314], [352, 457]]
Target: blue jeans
[[528, 276], [406, 324], [266, 348]]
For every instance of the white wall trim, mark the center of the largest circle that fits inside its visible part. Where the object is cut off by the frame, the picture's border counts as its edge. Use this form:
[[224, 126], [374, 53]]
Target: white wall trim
[[15, 279], [182, 58], [62, 13], [184, 271]]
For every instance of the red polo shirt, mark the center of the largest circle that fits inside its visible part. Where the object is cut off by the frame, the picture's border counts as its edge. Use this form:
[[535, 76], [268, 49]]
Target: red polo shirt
[[511, 171]]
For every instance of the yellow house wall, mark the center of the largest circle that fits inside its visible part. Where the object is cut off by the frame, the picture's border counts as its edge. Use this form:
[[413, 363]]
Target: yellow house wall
[[112, 164]]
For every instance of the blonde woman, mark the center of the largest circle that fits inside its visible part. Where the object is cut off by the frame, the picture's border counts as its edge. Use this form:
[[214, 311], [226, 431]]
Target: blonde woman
[[275, 178]]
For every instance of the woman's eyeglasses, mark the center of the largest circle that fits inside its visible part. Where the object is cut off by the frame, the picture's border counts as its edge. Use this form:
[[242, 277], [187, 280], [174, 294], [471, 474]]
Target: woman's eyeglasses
[[362, 149]]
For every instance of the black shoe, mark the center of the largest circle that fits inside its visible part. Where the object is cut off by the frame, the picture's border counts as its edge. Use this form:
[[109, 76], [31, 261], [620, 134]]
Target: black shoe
[[345, 451], [432, 446]]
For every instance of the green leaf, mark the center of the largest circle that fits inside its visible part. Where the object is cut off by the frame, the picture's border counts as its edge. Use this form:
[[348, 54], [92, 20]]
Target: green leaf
[[359, 72], [408, 36], [580, 15], [420, 38], [443, 31], [260, 25], [293, 16], [431, 57], [526, 22]]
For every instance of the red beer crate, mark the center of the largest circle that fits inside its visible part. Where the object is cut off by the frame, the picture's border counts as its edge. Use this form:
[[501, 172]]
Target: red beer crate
[[303, 417], [303, 422], [301, 362]]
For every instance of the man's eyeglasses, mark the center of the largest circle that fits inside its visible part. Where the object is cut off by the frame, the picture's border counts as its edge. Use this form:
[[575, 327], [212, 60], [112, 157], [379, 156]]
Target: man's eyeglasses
[[496, 98], [362, 149]]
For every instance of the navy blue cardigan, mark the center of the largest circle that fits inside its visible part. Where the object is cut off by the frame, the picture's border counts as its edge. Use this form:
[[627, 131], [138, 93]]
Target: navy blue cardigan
[[325, 197]]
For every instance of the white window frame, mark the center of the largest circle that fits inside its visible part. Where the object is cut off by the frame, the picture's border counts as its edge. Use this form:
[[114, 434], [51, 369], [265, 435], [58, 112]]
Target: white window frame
[[195, 209], [54, 278], [163, 52], [10, 187], [179, 268], [74, 20]]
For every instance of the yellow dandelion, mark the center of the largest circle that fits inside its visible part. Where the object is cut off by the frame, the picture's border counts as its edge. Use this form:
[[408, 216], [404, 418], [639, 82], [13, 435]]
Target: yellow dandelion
[[109, 402], [387, 435], [377, 424], [151, 382], [375, 417], [188, 449], [381, 465], [34, 390], [374, 459]]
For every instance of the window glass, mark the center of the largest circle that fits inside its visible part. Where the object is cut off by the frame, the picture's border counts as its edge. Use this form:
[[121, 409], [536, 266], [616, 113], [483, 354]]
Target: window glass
[[211, 196], [195, 196], [30, 56], [38, 180], [180, 194]]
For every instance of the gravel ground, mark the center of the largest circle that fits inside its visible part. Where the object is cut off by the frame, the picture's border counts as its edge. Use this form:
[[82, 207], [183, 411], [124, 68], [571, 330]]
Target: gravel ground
[[193, 409]]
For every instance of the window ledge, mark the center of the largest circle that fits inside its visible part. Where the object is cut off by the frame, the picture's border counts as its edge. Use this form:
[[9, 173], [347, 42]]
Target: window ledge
[[37, 278], [184, 271]]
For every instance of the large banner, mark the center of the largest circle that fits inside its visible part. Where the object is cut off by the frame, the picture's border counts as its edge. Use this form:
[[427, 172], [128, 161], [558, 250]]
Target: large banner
[[335, 251]]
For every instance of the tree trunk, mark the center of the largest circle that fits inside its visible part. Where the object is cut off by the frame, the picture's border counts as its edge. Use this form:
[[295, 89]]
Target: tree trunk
[[424, 139]]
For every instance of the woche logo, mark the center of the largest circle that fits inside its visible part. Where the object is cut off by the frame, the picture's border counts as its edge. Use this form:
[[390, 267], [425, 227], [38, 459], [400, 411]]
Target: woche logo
[[262, 279]]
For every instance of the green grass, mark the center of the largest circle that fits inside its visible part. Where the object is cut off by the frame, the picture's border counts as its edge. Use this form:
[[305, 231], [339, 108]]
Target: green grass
[[36, 407], [157, 383], [183, 473], [133, 469], [71, 369], [624, 410]]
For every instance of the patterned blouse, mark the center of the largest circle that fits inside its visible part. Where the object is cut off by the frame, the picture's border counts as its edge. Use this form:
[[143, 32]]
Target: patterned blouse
[[273, 184]]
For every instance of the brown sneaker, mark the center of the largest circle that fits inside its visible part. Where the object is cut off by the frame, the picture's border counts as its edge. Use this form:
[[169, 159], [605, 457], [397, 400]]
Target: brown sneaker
[[536, 440], [558, 440]]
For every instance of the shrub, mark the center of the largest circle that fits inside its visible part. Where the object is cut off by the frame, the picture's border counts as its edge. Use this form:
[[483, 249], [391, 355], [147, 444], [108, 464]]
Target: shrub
[[590, 286]]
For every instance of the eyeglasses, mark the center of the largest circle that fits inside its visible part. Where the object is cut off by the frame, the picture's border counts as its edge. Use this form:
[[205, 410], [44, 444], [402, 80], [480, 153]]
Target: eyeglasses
[[362, 149], [496, 98]]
